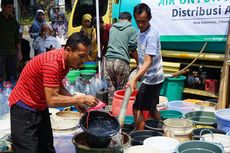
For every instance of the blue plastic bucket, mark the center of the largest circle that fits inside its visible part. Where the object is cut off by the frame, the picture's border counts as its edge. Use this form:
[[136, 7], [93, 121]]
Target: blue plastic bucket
[[228, 133], [223, 119]]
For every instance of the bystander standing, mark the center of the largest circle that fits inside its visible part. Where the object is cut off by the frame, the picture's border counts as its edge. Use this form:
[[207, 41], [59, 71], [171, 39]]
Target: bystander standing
[[10, 46], [150, 68], [45, 41], [122, 41]]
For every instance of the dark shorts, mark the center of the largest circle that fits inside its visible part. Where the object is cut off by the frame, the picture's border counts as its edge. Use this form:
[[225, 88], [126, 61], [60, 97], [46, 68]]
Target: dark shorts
[[31, 131], [147, 97]]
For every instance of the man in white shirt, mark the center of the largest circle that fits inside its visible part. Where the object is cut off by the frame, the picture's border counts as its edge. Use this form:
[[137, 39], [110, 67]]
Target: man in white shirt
[[45, 41], [150, 68]]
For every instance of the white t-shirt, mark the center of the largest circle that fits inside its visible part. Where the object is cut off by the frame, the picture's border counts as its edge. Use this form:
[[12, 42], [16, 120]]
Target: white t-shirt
[[41, 44], [149, 43]]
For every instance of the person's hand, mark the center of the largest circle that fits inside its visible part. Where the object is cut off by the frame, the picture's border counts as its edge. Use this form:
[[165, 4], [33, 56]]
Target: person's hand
[[19, 56], [85, 102], [44, 34], [132, 84]]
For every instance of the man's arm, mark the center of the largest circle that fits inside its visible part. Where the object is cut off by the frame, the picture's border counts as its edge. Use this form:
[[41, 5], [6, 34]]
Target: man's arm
[[63, 91], [143, 69], [135, 56], [55, 99]]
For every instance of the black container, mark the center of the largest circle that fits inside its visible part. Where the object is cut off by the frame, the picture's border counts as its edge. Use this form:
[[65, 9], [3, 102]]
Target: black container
[[99, 126], [196, 132], [137, 137], [81, 146], [103, 96], [155, 125], [128, 128]]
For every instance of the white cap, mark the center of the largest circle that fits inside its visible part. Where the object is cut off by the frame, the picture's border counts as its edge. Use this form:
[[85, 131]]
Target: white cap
[[40, 11]]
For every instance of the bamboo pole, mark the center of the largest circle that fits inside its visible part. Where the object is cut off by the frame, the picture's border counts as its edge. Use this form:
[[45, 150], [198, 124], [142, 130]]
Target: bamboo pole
[[223, 100]]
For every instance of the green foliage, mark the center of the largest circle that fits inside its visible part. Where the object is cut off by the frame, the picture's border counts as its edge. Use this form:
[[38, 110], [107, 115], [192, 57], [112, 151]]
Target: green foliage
[[26, 20]]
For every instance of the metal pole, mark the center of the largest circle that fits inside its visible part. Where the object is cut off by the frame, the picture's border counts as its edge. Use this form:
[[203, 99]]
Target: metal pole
[[98, 40]]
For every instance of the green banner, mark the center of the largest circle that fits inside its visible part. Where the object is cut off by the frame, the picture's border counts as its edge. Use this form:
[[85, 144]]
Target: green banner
[[195, 38]]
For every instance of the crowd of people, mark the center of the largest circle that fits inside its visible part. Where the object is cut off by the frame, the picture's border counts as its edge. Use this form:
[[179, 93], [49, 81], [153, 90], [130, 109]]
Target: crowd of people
[[39, 85]]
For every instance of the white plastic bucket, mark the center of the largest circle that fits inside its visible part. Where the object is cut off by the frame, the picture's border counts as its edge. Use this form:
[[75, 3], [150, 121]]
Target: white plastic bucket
[[222, 139], [163, 144], [141, 149], [162, 103]]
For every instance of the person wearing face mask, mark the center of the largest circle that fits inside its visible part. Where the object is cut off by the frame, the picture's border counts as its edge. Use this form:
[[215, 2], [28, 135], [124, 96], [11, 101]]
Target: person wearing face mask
[[40, 87], [45, 41], [36, 26]]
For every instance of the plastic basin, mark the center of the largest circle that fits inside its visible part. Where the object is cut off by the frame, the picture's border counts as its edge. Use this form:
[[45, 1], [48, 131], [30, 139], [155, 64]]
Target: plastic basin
[[183, 107], [196, 133], [81, 146], [205, 106], [196, 146], [99, 127], [223, 119], [165, 114], [128, 128], [152, 124], [141, 149], [222, 139], [139, 136], [201, 117]]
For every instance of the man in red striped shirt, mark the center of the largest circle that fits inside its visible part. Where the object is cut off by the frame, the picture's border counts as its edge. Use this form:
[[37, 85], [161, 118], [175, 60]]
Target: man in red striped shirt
[[39, 87]]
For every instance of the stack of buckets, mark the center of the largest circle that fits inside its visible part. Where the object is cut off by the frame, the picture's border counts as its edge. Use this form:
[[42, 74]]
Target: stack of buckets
[[73, 75]]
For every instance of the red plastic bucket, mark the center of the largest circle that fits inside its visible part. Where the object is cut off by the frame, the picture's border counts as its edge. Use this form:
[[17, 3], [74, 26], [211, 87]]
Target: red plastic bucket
[[117, 101]]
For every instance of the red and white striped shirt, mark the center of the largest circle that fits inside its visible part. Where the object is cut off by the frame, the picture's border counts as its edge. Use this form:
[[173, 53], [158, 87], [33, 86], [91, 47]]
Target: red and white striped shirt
[[44, 70]]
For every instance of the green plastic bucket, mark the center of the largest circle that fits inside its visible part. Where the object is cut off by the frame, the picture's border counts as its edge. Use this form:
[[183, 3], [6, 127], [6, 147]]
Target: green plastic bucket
[[196, 146], [72, 75], [173, 88], [201, 117], [165, 114], [88, 74]]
